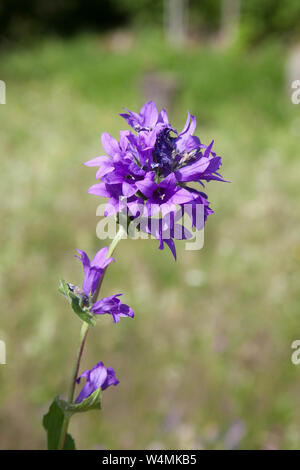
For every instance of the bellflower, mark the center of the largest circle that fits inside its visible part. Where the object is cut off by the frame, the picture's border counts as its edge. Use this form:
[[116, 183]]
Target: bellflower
[[97, 377], [151, 177], [93, 270], [152, 168], [113, 306], [147, 119]]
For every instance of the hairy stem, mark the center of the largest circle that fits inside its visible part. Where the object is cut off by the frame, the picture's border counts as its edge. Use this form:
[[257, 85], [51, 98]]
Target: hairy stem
[[82, 338]]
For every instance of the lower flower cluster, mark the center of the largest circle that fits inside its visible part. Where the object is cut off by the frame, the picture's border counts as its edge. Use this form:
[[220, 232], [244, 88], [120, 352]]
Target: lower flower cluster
[[146, 175], [99, 376]]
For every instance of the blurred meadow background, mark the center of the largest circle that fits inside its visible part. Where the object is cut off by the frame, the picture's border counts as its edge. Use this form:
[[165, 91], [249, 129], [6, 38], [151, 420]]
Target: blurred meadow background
[[206, 363]]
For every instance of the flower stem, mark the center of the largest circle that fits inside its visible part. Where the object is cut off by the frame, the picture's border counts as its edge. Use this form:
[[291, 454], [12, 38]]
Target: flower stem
[[111, 249], [83, 334], [82, 338]]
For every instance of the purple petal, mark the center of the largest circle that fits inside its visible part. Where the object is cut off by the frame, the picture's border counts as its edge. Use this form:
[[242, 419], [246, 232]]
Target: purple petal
[[169, 182], [99, 257], [112, 306], [84, 259], [149, 114], [100, 260], [146, 186], [97, 161], [110, 379], [86, 391], [187, 123], [181, 196], [133, 119], [112, 207], [163, 117], [172, 247], [128, 189], [106, 167], [98, 375], [91, 280], [167, 208], [84, 375], [99, 189], [208, 150], [110, 144], [191, 172], [126, 311]]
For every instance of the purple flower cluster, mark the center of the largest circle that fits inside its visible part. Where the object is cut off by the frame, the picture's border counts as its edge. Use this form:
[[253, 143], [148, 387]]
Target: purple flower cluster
[[147, 172]]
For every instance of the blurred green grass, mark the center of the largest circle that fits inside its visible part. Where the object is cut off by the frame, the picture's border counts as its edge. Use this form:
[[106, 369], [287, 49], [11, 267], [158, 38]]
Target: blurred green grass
[[197, 360]]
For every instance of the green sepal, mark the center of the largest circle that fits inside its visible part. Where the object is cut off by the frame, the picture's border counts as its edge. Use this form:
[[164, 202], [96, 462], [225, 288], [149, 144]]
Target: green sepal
[[93, 402], [52, 422], [83, 313]]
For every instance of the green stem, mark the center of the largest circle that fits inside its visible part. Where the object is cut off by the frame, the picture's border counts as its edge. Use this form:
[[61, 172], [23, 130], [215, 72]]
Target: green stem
[[82, 338], [111, 249], [83, 334]]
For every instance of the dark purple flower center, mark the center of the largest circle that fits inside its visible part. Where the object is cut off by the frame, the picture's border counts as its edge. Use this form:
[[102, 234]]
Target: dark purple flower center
[[163, 152], [160, 194]]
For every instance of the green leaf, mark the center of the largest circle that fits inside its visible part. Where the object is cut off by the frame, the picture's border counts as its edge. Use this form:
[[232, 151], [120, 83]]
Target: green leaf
[[93, 402], [69, 443], [64, 288], [84, 315], [52, 422]]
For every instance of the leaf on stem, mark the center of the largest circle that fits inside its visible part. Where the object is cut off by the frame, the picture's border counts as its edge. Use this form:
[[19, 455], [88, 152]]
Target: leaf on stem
[[63, 288], [83, 313], [52, 422]]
